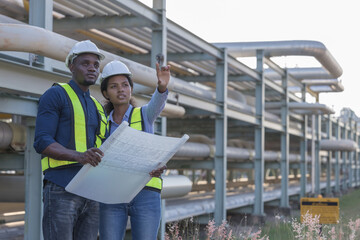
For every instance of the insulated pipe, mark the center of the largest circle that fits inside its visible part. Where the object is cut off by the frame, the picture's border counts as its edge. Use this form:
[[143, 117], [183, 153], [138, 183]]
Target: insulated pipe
[[175, 186], [300, 73], [310, 77], [194, 150], [6, 19], [286, 48], [12, 187], [302, 107], [334, 84], [201, 150], [315, 82], [12, 136], [14, 7], [170, 110], [6, 135], [49, 44], [338, 145]]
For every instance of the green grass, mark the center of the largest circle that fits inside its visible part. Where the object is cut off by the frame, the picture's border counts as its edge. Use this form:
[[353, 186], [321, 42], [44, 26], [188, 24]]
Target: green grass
[[278, 231], [350, 205], [279, 227], [349, 210]]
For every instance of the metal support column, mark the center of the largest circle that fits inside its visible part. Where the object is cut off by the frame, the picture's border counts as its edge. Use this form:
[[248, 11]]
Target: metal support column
[[356, 156], [337, 159], [344, 162], [159, 34], [159, 45], [317, 154], [329, 159], [33, 186], [221, 140], [350, 155], [40, 15], [259, 137], [284, 200], [313, 136], [303, 150]]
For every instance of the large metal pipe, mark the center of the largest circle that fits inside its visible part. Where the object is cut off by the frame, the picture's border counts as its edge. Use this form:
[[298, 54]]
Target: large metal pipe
[[6, 135], [338, 145], [12, 136], [49, 44], [300, 73], [203, 150], [170, 110], [297, 73], [13, 8], [194, 150], [286, 48], [302, 107], [12, 187], [175, 186], [334, 84], [318, 77]]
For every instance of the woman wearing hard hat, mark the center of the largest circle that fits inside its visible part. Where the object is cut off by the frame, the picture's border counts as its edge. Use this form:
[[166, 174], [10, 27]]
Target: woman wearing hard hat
[[144, 210]]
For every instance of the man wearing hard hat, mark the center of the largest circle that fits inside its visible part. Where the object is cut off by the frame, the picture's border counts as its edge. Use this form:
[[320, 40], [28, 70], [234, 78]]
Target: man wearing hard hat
[[70, 126]]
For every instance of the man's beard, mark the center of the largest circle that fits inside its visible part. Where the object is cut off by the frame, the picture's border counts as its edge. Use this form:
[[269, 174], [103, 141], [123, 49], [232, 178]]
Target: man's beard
[[89, 82]]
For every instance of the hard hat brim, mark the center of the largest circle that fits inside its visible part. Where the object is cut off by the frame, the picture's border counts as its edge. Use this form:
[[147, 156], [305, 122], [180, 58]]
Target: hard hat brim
[[68, 58], [101, 56]]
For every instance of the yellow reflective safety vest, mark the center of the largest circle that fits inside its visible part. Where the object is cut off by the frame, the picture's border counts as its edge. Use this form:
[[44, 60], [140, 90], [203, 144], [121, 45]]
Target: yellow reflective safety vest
[[79, 129], [136, 121]]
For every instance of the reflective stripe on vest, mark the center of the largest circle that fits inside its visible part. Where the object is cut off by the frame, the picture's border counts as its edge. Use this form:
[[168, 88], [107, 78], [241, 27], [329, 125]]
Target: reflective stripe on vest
[[79, 128], [136, 122], [100, 135]]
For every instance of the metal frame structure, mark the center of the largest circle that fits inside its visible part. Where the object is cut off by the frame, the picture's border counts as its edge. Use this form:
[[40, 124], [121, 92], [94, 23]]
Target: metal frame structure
[[242, 121]]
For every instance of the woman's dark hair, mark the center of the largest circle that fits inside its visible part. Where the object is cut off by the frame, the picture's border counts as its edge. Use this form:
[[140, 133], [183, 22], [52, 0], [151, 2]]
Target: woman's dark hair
[[108, 106]]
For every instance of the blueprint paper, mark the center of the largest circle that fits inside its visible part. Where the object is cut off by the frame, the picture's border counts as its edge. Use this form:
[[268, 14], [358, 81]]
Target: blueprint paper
[[129, 156]]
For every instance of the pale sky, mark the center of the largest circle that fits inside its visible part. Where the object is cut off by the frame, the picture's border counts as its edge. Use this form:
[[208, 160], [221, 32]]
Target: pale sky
[[334, 23]]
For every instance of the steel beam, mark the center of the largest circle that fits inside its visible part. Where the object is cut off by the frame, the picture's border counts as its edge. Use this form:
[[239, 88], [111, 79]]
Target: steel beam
[[13, 104], [344, 162], [40, 15], [337, 158], [283, 72], [101, 22], [33, 186], [259, 136], [159, 34], [303, 150], [12, 161], [139, 10], [317, 154], [159, 46], [285, 138], [350, 155], [221, 140], [356, 159], [328, 160]]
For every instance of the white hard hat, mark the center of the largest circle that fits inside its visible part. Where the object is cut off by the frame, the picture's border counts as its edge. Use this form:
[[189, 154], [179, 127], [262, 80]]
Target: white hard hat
[[82, 47], [115, 68]]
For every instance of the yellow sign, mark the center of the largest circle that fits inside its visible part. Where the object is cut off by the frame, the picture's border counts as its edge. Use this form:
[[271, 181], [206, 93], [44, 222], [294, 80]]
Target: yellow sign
[[327, 208]]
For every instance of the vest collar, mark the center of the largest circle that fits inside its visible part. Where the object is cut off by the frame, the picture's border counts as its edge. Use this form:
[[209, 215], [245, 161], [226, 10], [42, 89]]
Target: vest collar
[[125, 118]]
